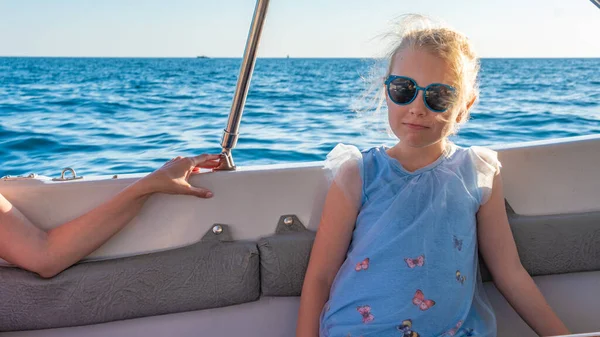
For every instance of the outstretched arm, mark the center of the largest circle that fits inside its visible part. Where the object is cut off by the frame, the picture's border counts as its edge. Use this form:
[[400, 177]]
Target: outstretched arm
[[497, 246], [48, 253]]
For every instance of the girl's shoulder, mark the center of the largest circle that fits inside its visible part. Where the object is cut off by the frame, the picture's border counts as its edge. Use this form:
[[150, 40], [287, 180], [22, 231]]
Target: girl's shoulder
[[481, 165], [344, 166], [479, 155], [344, 155], [484, 159]]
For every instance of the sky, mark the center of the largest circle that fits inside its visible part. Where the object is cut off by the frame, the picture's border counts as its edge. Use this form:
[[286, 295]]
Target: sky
[[298, 28]]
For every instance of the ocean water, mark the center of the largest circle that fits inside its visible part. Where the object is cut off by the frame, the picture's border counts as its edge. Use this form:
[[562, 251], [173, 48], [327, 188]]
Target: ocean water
[[118, 115]]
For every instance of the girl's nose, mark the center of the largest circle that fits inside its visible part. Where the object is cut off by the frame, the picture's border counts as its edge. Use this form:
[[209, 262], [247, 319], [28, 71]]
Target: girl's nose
[[417, 106]]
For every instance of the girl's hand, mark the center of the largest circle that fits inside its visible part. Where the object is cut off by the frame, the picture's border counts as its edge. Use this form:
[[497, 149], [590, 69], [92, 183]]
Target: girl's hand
[[173, 176]]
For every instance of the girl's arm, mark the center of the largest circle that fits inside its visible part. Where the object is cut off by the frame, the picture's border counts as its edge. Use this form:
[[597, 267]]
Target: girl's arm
[[499, 251], [48, 253], [328, 253]]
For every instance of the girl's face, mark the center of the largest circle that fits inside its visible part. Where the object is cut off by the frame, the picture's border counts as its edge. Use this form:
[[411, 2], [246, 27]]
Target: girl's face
[[414, 124]]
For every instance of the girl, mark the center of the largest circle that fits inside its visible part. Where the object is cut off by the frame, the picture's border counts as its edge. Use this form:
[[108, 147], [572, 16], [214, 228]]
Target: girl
[[396, 249]]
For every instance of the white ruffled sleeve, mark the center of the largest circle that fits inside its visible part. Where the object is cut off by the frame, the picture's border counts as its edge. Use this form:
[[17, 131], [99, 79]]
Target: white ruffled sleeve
[[487, 166], [344, 166]]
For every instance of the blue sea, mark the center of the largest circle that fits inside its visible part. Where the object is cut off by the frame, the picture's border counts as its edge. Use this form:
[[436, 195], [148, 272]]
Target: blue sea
[[129, 115]]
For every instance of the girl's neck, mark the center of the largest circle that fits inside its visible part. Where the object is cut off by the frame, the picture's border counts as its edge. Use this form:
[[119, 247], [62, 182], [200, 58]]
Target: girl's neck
[[414, 158]]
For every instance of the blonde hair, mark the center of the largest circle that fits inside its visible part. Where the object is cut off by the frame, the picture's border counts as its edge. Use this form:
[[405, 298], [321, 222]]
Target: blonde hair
[[419, 32]]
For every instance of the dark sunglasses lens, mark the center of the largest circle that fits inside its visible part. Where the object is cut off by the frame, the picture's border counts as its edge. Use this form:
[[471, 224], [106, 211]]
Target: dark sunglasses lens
[[402, 90], [439, 97]]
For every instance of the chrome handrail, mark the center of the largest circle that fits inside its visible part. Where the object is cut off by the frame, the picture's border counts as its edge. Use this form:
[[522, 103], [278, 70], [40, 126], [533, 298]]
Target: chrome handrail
[[596, 2], [231, 134]]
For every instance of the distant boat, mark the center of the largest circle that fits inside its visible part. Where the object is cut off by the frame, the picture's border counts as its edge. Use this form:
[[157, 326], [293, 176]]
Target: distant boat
[[202, 57]]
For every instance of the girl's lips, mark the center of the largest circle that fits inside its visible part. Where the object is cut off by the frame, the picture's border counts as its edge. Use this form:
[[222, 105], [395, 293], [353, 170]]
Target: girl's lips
[[415, 126]]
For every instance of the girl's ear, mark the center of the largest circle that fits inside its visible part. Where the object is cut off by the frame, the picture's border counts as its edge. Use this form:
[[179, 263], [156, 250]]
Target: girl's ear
[[460, 116], [463, 113]]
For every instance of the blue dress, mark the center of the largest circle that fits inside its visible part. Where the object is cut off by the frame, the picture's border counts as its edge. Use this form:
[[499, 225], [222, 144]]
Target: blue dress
[[412, 267]]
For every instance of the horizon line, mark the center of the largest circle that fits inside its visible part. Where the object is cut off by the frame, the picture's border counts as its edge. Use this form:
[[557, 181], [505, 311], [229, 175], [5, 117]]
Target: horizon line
[[204, 57]]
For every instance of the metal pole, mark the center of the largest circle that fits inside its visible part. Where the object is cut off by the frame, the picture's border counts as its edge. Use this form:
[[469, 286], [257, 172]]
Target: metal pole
[[230, 135]]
